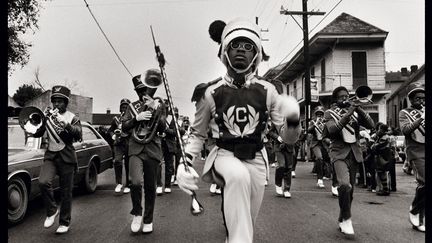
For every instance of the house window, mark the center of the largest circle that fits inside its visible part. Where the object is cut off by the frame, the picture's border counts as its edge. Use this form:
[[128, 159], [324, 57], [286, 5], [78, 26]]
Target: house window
[[323, 74], [295, 88], [359, 68], [287, 89], [312, 72]]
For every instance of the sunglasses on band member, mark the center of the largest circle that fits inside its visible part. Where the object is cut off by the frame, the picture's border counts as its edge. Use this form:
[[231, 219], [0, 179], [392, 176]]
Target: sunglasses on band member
[[244, 46]]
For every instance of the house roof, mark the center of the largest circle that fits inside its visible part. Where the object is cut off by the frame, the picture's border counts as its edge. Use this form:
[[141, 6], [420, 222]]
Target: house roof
[[414, 77], [344, 29]]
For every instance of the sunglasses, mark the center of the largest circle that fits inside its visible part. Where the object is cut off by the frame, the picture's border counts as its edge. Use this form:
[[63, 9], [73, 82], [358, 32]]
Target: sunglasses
[[244, 46]]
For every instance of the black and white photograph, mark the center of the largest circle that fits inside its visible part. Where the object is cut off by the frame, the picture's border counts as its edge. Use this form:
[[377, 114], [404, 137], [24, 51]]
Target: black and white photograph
[[242, 121]]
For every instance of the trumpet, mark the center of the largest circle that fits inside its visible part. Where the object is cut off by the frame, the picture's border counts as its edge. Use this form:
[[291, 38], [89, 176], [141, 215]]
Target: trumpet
[[363, 96]]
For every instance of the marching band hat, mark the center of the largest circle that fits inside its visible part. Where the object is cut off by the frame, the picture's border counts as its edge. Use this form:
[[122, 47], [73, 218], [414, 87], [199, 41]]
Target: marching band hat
[[415, 87], [319, 109], [125, 101], [59, 91], [152, 79]]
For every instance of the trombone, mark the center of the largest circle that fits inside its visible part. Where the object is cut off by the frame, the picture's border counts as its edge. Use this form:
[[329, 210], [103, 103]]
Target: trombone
[[363, 96]]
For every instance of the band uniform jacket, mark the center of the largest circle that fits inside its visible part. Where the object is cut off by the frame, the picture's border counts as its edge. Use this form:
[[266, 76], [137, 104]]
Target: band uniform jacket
[[414, 149], [170, 139], [123, 136], [236, 113], [278, 146], [339, 149], [153, 147], [71, 133], [314, 139]]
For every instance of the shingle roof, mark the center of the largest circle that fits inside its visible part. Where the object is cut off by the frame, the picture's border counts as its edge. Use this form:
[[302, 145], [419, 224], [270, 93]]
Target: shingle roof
[[347, 24]]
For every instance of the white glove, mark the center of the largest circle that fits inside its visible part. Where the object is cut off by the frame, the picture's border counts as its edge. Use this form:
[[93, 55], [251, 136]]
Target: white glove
[[187, 181], [289, 108], [113, 137], [62, 120], [423, 115], [144, 116]]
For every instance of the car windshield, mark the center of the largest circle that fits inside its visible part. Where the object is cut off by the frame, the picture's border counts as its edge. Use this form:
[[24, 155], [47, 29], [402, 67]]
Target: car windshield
[[16, 138]]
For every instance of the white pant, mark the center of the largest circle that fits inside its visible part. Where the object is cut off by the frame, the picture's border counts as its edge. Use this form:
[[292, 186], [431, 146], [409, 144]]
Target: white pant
[[242, 194]]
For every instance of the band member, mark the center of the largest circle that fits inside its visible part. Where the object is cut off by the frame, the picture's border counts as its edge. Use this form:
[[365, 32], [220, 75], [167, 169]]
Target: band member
[[342, 124], [412, 125], [144, 118], [285, 160], [315, 128], [60, 159], [236, 108], [382, 155], [120, 148], [169, 147]]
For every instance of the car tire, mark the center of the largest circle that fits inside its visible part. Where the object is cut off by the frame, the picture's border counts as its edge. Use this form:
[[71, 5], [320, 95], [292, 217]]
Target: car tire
[[89, 183], [18, 199]]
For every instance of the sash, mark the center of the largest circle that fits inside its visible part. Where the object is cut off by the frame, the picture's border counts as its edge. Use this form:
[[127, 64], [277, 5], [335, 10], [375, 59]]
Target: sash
[[55, 142], [348, 133], [418, 134]]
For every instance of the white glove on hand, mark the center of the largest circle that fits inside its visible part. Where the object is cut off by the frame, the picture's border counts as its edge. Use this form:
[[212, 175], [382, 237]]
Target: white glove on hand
[[62, 120], [423, 115], [113, 137], [289, 108], [187, 181], [144, 116]]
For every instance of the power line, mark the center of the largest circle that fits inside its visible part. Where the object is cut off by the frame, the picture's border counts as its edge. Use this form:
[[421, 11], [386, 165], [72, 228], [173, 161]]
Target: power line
[[109, 42], [131, 3]]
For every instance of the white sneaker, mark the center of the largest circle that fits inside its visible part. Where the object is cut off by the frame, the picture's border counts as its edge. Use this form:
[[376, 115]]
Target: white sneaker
[[293, 174], [62, 229], [320, 183], [118, 188], [279, 191], [218, 191], [287, 194], [273, 165], [126, 190], [334, 191], [136, 223], [175, 183], [172, 178], [213, 188], [266, 183], [159, 190], [167, 190], [346, 227], [148, 228], [414, 218], [49, 221]]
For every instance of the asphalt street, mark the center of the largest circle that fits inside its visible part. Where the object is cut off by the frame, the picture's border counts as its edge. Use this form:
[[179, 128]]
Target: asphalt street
[[309, 216]]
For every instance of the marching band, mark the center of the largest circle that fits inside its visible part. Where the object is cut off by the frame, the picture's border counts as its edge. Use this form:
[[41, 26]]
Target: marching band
[[236, 112]]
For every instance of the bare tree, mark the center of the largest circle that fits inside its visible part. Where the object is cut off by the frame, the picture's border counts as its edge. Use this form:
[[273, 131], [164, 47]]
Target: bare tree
[[37, 80]]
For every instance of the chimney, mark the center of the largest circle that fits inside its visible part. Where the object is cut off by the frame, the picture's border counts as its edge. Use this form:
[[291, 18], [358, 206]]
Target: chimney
[[404, 71], [108, 111], [414, 68]]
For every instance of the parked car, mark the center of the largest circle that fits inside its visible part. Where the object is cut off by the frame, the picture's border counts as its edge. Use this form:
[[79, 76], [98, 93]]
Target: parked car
[[25, 158]]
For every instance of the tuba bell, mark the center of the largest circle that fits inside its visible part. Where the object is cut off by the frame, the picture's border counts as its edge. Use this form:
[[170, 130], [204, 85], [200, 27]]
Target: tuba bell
[[32, 120]]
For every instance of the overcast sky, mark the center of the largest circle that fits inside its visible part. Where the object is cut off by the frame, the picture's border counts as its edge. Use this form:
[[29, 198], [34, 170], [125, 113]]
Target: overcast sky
[[69, 47]]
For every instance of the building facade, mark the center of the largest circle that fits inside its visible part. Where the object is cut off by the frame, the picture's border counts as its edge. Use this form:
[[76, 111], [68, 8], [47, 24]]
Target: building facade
[[347, 52]]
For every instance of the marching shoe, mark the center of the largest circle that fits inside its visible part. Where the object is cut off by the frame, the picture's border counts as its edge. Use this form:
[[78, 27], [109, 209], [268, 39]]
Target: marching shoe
[[414, 218], [335, 191], [266, 183], [279, 191], [62, 229], [175, 183], [293, 175], [218, 191], [421, 228], [346, 227], [213, 188], [118, 188], [320, 183], [167, 190], [49, 221], [126, 190], [136, 223], [287, 194], [148, 228], [159, 190]]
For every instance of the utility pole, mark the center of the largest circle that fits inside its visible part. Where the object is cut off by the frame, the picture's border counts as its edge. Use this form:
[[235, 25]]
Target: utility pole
[[305, 14], [266, 30]]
